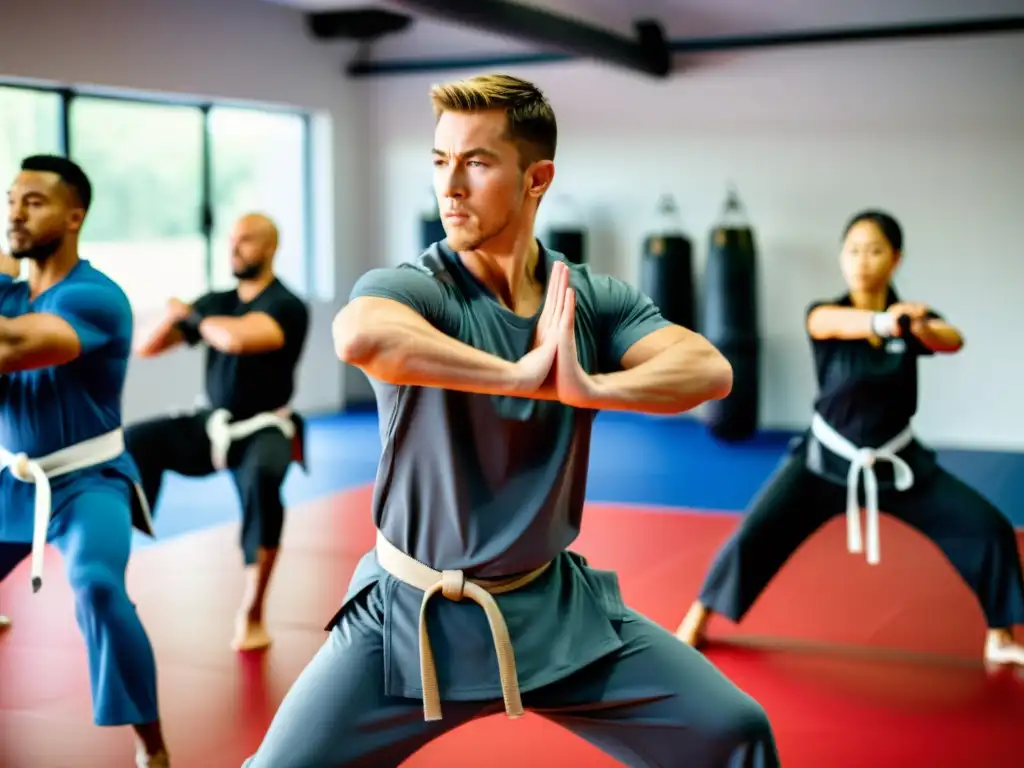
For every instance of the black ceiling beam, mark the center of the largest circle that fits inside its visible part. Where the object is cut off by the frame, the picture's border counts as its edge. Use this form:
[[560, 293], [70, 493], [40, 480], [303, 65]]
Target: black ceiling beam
[[648, 53], [362, 24], [909, 31], [998, 25]]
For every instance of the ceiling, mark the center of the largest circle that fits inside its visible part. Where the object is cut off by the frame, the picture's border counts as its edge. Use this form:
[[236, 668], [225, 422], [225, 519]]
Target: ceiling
[[432, 37]]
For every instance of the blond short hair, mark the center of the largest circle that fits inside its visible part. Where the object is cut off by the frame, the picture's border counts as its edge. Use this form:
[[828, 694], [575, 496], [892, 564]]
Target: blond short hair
[[531, 120]]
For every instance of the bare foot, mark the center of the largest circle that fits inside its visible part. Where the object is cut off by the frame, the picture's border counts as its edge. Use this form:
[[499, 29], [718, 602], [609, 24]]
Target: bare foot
[[1001, 649], [159, 760], [150, 751], [250, 634], [691, 631]]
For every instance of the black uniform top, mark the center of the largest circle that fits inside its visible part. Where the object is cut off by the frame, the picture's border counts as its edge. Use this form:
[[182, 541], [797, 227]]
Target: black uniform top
[[253, 383], [868, 394]]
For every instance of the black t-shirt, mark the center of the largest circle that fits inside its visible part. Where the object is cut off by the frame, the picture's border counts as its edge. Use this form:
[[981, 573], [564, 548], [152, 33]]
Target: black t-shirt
[[867, 393], [250, 384]]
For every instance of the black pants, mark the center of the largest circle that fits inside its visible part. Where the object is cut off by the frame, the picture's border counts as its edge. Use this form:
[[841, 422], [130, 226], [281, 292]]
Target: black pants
[[976, 538], [258, 464]]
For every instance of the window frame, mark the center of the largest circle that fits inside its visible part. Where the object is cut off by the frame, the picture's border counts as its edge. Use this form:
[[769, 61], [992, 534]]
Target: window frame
[[68, 94]]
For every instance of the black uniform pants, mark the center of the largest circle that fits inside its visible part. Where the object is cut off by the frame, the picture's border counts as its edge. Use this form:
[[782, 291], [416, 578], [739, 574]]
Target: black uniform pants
[[975, 537], [258, 464]]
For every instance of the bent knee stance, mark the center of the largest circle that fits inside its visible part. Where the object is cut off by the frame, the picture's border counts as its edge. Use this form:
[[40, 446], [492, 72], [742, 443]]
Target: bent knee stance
[[93, 532], [742, 737], [97, 588], [259, 480]]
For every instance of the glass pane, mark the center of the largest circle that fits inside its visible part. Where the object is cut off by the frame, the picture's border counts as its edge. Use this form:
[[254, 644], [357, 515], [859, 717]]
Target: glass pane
[[257, 161], [146, 166], [29, 125]]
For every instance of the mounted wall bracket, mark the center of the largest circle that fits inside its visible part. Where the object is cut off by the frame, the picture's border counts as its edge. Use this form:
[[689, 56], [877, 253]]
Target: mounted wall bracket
[[648, 53]]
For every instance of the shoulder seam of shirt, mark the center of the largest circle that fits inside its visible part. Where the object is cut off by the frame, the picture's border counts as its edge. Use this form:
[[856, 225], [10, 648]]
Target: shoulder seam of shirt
[[430, 262]]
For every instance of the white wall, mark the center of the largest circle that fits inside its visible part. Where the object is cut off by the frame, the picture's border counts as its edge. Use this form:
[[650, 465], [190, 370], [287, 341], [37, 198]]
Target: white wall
[[932, 130], [234, 49]]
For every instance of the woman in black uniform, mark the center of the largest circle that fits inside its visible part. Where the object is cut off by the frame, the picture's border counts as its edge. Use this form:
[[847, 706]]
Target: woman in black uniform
[[866, 344]]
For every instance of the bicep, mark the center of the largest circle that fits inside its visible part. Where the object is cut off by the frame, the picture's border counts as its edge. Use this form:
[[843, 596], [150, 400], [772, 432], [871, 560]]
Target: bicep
[[411, 288], [657, 341], [629, 323]]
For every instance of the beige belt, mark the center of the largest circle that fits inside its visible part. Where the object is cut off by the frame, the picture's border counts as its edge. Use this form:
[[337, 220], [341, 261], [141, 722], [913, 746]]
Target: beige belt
[[454, 585]]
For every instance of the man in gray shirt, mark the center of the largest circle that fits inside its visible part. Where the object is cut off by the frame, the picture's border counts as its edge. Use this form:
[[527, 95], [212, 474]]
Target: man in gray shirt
[[490, 357]]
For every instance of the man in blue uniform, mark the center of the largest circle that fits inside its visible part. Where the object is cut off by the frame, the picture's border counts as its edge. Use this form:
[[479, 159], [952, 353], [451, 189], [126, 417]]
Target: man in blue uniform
[[65, 339], [490, 356]]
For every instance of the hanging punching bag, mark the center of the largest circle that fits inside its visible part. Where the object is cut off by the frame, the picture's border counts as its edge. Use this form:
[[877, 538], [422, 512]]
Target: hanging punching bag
[[431, 226], [565, 231], [730, 320], [666, 268]]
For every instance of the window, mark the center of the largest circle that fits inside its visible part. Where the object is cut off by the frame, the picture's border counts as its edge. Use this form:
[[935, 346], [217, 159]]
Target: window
[[145, 225], [169, 181], [258, 165], [30, 124]]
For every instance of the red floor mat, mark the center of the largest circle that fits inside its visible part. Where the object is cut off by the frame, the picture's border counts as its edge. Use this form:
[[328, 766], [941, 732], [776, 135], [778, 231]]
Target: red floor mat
[[866, 666]]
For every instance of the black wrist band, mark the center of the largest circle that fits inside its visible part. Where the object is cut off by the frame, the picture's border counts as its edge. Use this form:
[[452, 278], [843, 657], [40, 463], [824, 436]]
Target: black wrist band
[[189, 327]]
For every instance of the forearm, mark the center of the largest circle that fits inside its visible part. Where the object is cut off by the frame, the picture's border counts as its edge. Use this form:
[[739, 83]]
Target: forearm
[[673, 381], [844, 323], [8, 345], [162, 338], [223, 333], [400, 347], [937, 335]]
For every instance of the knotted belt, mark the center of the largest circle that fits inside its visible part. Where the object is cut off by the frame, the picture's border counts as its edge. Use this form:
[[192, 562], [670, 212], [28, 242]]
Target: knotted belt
[[41, 470], [222, 431], [453, 585], [862, 462]]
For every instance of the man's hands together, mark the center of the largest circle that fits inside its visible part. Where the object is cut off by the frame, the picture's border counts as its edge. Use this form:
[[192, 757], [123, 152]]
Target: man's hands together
[[553, 367]]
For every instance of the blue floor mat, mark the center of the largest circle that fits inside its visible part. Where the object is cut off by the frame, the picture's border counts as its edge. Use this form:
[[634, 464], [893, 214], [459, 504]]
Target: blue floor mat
[[634, 460]]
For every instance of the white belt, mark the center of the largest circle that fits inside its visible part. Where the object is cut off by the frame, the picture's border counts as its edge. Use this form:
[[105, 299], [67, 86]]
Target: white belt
[[862, 460], [223, 432], [40, 471]]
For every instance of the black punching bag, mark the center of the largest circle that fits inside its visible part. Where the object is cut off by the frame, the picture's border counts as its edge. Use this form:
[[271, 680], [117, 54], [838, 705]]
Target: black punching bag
[[730, 320], [666, 268], [431, 226], [566, 232]]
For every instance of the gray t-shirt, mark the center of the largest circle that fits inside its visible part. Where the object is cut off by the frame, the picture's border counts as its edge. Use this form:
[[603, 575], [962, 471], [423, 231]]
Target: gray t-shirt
[[493, 485]]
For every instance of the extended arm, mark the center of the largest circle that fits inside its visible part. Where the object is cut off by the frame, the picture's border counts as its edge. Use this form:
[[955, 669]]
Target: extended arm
[[646, 363], [936, 335], [81, 318], [397, 329], [670, 370], [827, 321], [165, 336], [846, 323], [252, 333], [37, 340], [393, 343]]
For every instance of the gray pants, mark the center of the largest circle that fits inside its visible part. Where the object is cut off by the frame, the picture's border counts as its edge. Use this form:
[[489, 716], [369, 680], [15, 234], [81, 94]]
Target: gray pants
[[655, 702]]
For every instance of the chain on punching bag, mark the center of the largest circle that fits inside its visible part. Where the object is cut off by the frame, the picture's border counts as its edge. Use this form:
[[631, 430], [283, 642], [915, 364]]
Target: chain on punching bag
[[431, 226], [666, 268], [730, 320], [566, 233]]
